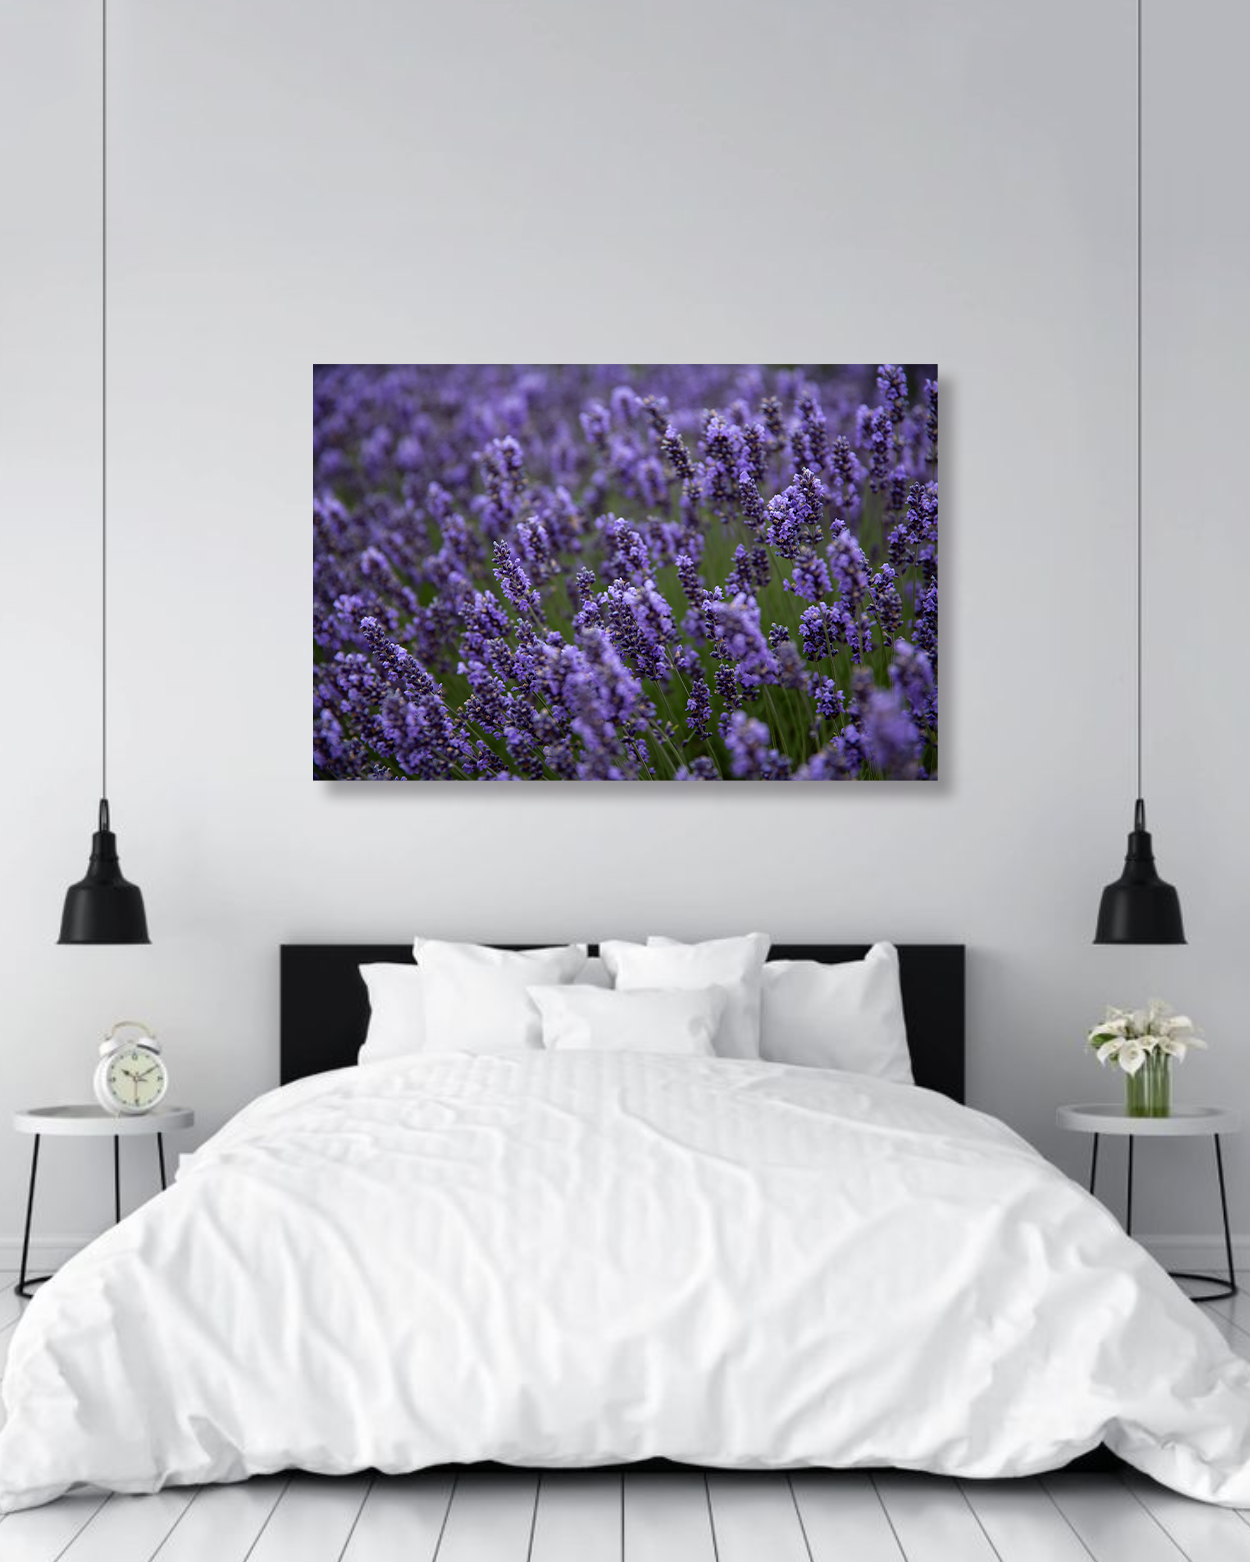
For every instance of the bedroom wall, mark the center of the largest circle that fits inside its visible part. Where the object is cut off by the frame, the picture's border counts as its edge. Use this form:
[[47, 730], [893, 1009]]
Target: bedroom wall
[[307, 182]]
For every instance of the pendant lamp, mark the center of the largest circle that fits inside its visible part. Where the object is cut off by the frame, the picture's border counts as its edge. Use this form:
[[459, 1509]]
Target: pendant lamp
[[1139, 908], [103, 908]]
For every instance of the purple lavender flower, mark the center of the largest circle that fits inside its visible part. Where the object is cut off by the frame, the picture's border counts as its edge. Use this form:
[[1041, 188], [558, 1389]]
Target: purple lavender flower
[[596, 424], [736, 635], [809, 579], [700, 768], [931, 422], [751, 755], [794, 517], [774, 421], [822, 630], [876, 434], [514, 582], [891, 741], [892, 385], [676, 454], [815, 430], [699, 705]]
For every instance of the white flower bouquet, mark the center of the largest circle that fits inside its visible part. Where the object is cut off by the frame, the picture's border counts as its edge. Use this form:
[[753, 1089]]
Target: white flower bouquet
[[1143, 1043]]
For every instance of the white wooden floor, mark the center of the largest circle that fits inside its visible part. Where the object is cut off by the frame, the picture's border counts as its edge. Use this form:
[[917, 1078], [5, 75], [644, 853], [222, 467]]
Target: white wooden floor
[[687, 1516]]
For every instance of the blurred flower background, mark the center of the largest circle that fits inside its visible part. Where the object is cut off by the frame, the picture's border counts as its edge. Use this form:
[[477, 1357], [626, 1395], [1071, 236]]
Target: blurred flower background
[[625, 572]]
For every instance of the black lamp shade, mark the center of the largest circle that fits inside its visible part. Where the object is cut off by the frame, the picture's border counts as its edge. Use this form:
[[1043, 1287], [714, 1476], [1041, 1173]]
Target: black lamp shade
[[104, 908], [1139, 908]]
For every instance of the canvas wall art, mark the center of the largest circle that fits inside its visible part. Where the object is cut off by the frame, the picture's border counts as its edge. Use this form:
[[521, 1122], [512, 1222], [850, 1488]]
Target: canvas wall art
[[625, 572]]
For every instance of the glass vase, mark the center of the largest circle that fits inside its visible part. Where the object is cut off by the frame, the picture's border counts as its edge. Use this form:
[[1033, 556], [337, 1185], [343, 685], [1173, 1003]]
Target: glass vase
[[1148, 1093]]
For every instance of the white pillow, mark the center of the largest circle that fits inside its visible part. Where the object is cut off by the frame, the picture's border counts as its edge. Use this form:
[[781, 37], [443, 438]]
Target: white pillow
[[641, 1020], [475, 999], [732, 963], [847, 1016], [396, 1012]]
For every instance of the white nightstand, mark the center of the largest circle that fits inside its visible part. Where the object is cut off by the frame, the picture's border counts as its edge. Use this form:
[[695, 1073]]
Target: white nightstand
[[1185, 1122], [89, 1121]]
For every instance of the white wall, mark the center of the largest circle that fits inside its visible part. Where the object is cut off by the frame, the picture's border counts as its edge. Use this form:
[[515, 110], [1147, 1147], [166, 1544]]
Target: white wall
[[807, 179]]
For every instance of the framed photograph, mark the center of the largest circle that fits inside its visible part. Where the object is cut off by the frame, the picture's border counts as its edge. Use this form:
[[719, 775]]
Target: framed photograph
[[625, 572]]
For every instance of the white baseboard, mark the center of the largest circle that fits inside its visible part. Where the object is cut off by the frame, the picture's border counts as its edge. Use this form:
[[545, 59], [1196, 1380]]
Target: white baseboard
[[1173, 1252], [1200, 1253], [48, 1252]]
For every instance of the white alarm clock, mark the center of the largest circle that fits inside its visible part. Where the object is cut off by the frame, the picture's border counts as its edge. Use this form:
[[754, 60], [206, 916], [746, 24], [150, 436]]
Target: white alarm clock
[[131, 1077]]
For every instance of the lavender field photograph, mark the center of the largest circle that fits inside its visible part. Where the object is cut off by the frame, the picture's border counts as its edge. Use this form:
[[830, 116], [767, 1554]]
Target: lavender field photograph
[[625, 572]]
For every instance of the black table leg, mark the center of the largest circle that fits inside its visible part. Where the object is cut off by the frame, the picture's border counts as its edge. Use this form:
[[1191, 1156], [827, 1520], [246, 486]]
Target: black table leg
[[25, 1281], [1220, 1289], [1228, 1241], [1128, 1210], [1093, 1165], [117, 1179], [160, 1151]]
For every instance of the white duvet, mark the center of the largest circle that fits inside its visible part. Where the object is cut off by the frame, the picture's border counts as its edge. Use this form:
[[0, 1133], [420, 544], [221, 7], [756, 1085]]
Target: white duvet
[[582, 1258]]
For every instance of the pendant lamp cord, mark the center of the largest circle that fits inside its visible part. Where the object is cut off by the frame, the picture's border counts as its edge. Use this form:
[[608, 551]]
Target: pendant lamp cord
[[1139, 397], [104, 387]]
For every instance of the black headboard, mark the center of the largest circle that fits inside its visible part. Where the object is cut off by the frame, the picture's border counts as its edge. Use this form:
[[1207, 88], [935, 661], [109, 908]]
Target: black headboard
[[325, 1008]]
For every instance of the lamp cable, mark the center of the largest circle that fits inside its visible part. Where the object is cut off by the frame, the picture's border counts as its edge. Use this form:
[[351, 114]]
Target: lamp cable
[[1139, 398], [104, 396]]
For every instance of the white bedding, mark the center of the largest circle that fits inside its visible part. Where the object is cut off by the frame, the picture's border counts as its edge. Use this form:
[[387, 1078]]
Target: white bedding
[[579, 1258]]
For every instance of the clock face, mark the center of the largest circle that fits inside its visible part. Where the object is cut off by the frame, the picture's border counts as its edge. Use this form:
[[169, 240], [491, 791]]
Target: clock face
[[136, 1079]]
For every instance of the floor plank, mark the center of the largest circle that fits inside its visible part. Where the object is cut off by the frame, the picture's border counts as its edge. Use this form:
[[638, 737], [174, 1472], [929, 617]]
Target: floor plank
[[932, 1519], [1109, 1519], [132, 1527], [579, 1517], [1200, 1530], [843, 1517], [666, 1517], [42, 1534], [312, 1520], [1022, 1522], [1238, 1340], [753, 1516], [1235, 1310], [403, 1518], [223, 1522], [491, 1517]]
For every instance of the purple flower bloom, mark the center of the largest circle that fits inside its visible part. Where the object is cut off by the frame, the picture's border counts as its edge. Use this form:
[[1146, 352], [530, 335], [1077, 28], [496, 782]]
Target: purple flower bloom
[[876, 434], [823, 630], [815, 432], [809, 578], [699, 769], [699, 705], [892, 386], [794, 517], [596, 424], [751, 755], [514, 582], [887, 602], [891, 741], [734, 629], [850, 570], [675, 453]]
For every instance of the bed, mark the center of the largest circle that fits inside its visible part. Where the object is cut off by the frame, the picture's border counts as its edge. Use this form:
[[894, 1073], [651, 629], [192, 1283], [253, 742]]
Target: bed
[[582, 1258]]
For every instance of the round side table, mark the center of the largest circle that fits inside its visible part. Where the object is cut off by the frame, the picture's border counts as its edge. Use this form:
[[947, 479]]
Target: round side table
[[1185, 1122], [93, 1122]]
